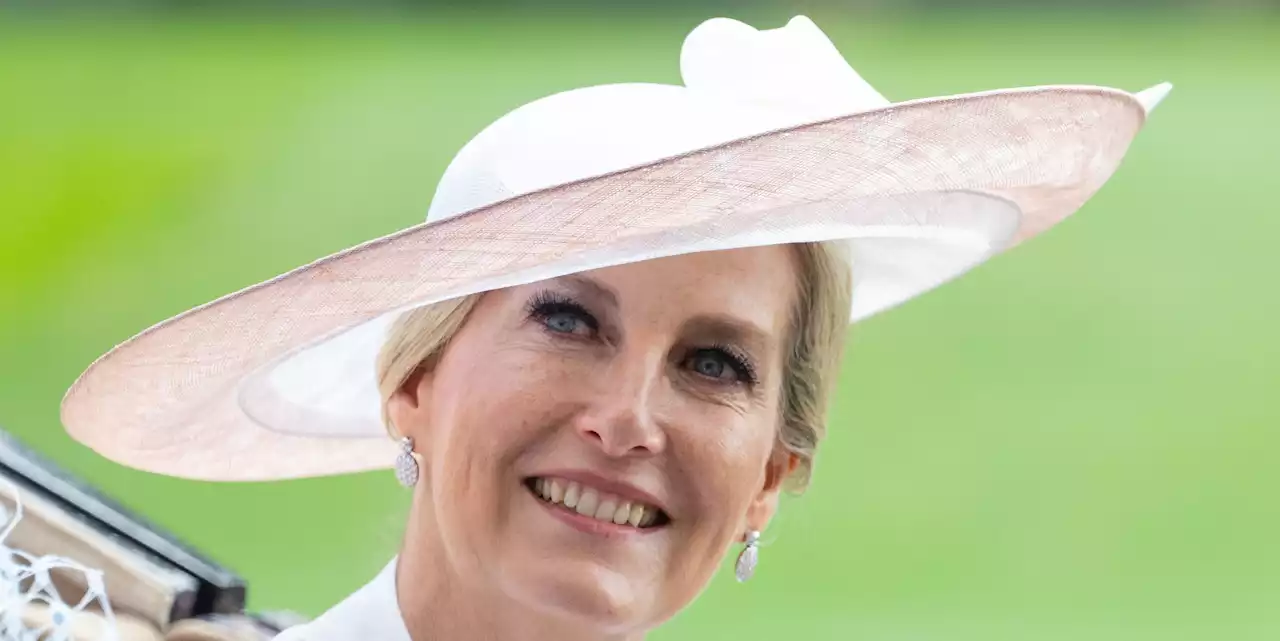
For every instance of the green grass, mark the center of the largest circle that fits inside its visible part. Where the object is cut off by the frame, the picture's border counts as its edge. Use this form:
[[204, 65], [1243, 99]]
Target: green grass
[[1076, 441]]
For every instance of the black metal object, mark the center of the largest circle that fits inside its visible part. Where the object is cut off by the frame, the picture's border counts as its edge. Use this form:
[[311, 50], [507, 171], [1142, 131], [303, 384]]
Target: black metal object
[[219, 590]]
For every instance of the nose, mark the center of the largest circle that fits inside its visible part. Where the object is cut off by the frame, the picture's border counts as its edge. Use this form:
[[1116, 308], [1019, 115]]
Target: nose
[[620, 418]]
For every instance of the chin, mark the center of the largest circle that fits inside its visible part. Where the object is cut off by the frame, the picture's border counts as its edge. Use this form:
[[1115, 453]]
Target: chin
[[589, 594]]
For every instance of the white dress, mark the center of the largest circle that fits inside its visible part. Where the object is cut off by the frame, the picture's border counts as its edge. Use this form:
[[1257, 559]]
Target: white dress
[[372, 613]]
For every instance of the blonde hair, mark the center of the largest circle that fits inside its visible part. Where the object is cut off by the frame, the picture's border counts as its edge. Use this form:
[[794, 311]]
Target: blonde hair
[[819, 324]]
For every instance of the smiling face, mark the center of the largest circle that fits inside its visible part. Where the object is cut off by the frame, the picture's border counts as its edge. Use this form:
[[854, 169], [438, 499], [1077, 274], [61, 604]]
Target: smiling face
[[592, 445]]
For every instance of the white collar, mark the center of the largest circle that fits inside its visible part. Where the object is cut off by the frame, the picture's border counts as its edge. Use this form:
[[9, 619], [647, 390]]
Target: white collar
[[372, 613]]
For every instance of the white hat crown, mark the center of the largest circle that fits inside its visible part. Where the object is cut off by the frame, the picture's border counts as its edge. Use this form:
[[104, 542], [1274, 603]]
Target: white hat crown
[[738, 81]]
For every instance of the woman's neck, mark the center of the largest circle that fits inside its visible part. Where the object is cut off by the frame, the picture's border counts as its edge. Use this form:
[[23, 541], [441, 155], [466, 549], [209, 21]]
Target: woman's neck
[[437, 603]]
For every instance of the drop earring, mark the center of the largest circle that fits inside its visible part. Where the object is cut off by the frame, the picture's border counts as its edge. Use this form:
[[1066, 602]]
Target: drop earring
[[749, 556], [406, 464]]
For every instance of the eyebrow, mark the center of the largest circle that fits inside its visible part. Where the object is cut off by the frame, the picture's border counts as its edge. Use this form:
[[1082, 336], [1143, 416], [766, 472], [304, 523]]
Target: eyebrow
[[734, 329], [590, 287]]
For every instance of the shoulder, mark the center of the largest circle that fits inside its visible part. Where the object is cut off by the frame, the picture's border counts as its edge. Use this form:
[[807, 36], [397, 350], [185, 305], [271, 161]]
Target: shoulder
[[372, 612]]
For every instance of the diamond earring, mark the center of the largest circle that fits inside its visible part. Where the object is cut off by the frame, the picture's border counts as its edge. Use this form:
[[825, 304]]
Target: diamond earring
[[749, 556], [406, 465]]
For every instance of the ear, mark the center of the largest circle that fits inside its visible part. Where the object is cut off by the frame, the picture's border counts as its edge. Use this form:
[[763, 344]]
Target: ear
[[779, 467], [407, 407]]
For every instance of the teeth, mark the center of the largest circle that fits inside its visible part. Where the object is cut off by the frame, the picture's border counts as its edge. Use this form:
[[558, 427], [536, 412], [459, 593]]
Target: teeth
[[597, 505], [637, 513], [587, 504], [606, 510], [621, 514]]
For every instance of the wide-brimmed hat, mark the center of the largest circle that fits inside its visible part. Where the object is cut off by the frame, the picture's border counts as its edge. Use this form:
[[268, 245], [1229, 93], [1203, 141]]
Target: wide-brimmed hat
[[773, 138]]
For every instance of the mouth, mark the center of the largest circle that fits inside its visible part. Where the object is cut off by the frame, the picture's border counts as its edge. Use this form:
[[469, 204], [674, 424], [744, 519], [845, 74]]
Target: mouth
[[592, 503]]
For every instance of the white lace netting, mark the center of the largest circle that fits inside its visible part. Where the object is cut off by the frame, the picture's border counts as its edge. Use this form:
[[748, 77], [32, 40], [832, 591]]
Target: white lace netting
[[25, 580]]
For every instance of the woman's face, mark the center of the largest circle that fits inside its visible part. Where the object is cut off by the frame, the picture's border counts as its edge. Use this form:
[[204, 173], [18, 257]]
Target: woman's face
[[593, 444]]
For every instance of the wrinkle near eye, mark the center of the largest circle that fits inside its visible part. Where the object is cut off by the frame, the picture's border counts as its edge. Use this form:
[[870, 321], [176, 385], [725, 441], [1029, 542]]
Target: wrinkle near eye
[[740, 398]]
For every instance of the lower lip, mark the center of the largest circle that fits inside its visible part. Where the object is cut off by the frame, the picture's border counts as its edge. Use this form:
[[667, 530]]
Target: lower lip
[[590, 525]]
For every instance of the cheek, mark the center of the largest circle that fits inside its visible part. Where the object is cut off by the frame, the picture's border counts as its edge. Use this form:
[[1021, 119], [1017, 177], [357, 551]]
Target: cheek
[[726, 446], [489, 408], [730, 464], [484, 416], [722, 458]]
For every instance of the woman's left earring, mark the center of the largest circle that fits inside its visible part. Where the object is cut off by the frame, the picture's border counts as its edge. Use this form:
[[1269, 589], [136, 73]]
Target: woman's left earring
[[749, 556], [406, 465]]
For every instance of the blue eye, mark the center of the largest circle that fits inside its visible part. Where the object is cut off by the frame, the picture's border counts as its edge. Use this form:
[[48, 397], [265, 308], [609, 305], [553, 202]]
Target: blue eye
[[723, 364], [562, 322], [710, 367], [562, 315]]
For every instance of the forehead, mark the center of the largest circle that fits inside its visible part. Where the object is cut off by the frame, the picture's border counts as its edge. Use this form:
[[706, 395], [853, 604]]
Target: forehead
[[754, 284]]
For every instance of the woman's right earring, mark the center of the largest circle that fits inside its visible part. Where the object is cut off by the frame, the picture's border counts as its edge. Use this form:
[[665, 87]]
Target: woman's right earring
[[749, 556], [406, 465]]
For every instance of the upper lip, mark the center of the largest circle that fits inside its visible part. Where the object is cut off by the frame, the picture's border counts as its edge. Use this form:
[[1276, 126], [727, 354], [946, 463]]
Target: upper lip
[[613, 486]]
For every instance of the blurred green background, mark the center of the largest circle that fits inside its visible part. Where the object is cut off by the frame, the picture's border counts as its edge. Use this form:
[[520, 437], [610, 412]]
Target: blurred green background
[[1079, 440]]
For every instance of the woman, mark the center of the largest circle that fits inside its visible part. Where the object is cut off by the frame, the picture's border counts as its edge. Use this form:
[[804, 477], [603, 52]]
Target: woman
[[609, 349]]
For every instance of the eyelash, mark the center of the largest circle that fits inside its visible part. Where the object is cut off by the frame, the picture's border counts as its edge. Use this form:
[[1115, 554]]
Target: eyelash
[[737, 360], [546, 304]]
